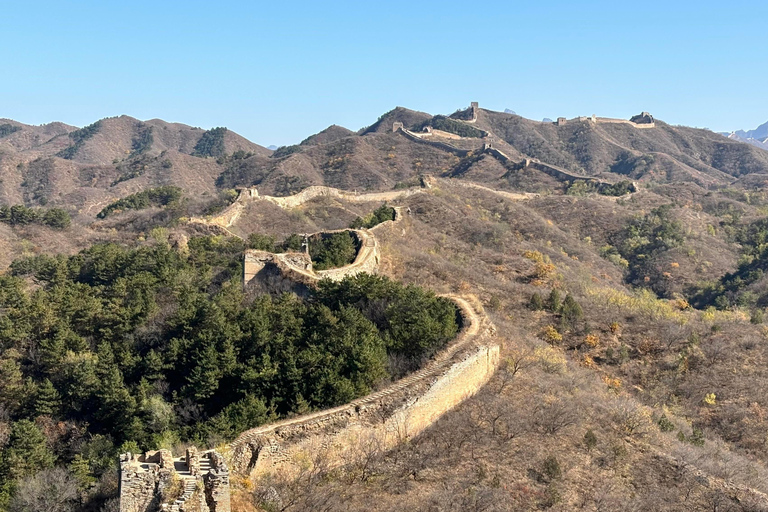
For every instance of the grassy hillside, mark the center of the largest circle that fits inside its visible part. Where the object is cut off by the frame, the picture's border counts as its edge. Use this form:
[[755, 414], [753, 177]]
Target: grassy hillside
[[605, 405], [633, 328], [671, 153]]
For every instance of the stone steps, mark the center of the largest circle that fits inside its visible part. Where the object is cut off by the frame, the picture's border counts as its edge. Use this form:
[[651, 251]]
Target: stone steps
[[190, 486]]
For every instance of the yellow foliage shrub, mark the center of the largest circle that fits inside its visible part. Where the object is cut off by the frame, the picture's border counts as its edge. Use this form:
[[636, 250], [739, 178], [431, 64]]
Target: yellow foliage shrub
[[613, 383], [550, 360], [543, 270], [592, 340], [534, 256], [551, 335]]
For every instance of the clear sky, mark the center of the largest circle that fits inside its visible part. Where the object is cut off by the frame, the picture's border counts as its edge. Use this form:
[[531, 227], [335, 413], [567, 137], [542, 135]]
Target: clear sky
[[277, 72]]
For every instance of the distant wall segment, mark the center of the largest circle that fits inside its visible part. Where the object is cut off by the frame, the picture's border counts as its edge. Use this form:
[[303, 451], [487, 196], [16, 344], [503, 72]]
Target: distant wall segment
[[641, 121]]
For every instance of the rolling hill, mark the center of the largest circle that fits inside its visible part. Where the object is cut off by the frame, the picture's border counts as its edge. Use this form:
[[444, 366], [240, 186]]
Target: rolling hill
[[82, 168], [631, 319]]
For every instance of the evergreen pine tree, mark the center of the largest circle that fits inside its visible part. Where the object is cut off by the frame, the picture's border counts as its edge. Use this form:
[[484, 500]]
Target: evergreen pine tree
[[48, 400], [553, 301], [571, 312], [27, 452]]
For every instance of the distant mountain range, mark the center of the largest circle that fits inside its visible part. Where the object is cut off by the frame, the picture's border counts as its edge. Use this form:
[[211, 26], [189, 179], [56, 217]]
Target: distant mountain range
[[84, 169], [757, 137]]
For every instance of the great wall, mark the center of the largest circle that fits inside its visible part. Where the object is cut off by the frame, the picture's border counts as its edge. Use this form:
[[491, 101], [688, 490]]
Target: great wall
[[387, 417], [155, 480], [298, 265], [232, 213], [642, 121], [199, 482]]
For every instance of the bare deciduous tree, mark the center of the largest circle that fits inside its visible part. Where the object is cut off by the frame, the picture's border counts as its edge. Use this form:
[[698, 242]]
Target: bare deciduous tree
[[50, 490]]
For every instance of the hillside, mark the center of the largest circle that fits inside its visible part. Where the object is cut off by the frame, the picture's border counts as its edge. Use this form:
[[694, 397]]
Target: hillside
[[85, 168], [378, 159], [666, 152], [60, 165], [631, 317], [330, 134]]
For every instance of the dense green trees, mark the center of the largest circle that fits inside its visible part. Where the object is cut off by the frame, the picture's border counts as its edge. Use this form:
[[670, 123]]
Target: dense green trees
[[268, 243], [160, 196], [734, 288], [25, 454], [643, 239], [332, 250], [381, 214], [20, 215], [584, 187], [143, 348], [142, 141], [284, 151], [211, 143], [7, 129]]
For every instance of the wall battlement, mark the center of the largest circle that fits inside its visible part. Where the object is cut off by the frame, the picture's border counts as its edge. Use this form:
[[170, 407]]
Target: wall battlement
[[436, 143]]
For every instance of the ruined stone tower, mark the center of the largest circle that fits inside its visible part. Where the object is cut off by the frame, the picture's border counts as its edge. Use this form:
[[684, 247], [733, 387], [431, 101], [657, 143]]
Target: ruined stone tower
[[156, 481]]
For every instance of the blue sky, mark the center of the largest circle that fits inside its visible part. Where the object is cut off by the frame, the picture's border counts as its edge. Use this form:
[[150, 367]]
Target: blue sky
[[277, 72]]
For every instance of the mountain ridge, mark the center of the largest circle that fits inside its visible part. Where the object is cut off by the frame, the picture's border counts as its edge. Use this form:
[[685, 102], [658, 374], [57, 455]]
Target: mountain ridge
[[81, 167]]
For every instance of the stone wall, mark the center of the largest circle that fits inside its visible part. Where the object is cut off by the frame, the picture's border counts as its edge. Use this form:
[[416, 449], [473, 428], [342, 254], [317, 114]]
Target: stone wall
[[433, 132], [298, 265], [232, 213], [216, 484], [640, 126], [497, 154], [390, 416], [201, 482], [314, 191], [435, 143], [554, 171], [642, 121], [141, 484], [475, 106]]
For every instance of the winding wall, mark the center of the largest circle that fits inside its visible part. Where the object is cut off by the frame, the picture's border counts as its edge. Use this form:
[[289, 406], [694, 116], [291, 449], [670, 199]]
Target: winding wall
[[231, 214], [386, 417], [435, 143], [298, 265], [554, 171]]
